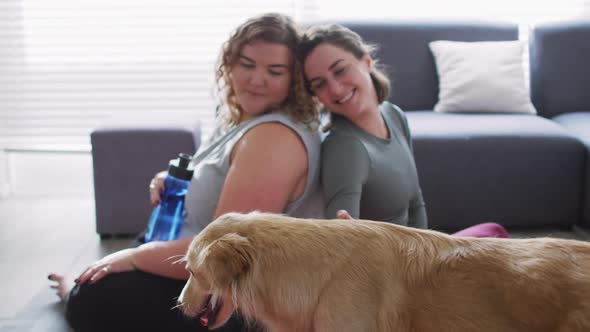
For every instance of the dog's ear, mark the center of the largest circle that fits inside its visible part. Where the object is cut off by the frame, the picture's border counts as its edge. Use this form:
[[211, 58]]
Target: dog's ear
[[226, 258]]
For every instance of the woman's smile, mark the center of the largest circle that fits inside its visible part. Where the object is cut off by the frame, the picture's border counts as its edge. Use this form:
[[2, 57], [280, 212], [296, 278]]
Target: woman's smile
[[346, 97]]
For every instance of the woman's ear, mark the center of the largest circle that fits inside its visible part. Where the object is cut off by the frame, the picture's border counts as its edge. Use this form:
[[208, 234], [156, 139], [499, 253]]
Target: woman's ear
[[226, 258], [366, 59]]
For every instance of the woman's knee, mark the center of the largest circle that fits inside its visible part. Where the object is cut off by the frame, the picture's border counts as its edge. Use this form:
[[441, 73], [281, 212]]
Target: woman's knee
[[81, 306], [111, 298], [488, 229], [496, 230], [128, 301]]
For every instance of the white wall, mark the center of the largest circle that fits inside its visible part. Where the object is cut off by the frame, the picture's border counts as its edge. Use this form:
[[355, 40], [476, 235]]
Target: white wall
[[4, 176], [52, 174]]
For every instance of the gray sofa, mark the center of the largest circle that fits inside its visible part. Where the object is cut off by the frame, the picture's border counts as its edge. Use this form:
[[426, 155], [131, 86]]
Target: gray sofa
[[514, 169]]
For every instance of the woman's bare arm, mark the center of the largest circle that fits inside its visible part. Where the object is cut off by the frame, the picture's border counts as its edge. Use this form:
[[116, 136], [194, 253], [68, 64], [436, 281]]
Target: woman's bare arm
[[268, 170]]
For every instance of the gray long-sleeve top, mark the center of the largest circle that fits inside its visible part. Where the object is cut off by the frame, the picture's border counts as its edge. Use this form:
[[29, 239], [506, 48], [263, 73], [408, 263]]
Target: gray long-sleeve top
[[370, 177]]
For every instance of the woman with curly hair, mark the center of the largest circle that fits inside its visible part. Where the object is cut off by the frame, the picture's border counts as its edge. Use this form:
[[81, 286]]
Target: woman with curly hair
[[264, 155]]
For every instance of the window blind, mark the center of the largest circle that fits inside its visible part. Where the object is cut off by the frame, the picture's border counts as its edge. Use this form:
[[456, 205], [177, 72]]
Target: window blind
[[69, 66]]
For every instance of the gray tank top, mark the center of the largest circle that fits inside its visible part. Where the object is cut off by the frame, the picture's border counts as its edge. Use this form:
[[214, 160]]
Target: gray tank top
[[211, 163]]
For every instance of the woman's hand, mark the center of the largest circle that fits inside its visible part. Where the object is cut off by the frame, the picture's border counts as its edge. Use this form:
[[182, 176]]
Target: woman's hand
[[343, 214], [157, 187], [119, 261]]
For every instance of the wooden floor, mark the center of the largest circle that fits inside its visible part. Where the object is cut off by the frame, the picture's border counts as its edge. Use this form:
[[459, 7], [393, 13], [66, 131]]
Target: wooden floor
[[42, 235], [38, 236]]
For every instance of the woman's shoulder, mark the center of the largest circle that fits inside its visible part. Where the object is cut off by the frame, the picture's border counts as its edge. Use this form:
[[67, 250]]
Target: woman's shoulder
[[280, 130], [343, 139], [391, 110], [396, 118], [342, 130], [300, 127]]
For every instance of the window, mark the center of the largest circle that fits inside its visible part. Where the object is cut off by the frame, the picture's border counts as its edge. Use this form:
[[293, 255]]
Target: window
[[69, 66]]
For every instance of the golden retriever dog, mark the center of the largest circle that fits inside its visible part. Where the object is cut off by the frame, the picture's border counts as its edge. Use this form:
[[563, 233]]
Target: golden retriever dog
[[355, 275]]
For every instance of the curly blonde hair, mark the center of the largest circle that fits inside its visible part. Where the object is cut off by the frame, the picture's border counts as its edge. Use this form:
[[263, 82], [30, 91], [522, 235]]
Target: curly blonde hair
[[271, 28]]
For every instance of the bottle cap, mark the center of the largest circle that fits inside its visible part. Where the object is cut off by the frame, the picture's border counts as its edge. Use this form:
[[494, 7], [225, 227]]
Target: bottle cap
[[180, 168]]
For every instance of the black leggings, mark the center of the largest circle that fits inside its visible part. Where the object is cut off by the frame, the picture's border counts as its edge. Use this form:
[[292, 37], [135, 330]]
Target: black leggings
[[133, 301]]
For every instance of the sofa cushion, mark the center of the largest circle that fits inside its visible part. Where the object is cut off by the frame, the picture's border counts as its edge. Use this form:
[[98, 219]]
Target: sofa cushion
[[481, 76], [514, 169], [403, 49]]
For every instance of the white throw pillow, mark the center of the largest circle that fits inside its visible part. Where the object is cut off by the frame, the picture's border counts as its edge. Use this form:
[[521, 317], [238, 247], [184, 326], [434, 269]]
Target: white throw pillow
[[481, 77]]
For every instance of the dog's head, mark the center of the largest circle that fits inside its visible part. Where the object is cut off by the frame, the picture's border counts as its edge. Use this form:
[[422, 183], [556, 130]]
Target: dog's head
[[216, 260]]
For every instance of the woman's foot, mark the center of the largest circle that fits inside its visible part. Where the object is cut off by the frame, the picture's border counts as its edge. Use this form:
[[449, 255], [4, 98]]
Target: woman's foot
[[62, 287]]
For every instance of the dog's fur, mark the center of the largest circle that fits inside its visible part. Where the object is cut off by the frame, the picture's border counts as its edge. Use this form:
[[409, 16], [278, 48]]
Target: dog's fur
[[355, 275]]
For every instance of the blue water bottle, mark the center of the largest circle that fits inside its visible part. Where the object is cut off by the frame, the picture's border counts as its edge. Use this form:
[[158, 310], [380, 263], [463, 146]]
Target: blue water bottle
[[167, 218]]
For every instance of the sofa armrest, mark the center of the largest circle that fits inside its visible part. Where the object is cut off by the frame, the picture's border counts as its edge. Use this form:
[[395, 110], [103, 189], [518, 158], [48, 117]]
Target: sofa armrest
[[578, 123], [124, 161]]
